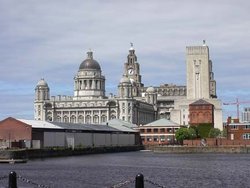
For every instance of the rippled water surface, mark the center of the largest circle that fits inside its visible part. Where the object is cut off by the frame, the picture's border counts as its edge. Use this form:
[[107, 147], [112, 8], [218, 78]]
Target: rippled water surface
[[106, 170]]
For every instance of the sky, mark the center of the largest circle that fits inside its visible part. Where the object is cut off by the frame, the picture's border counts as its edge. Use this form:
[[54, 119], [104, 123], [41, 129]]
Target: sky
[[49, 39]]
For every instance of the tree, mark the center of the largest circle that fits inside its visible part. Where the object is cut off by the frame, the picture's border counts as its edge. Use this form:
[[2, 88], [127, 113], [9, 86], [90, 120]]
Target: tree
[[185, 133], [204, 129], [182, 134], [192, 133], [214, 133]]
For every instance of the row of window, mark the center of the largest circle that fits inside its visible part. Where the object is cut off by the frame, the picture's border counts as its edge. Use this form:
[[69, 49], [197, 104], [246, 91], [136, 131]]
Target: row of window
[[236, 127], [161, 138], [158, 130], [201, 107]]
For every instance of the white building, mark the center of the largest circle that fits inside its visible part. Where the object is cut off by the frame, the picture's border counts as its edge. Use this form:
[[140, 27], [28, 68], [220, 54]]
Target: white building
[[135, 103], [200, 85], [246, 115]]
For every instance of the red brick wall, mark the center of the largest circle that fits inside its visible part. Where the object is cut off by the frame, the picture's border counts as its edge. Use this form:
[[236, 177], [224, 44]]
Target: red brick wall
[[14, 130], [217, 142], [201, 114]]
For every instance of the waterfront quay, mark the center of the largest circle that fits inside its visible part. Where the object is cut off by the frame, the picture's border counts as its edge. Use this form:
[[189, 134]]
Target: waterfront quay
[[206, 170]]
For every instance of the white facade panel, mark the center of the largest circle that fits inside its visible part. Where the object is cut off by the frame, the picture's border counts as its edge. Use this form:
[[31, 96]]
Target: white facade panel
[[83, 139], [99, 139], [54, 139], [115, 140]]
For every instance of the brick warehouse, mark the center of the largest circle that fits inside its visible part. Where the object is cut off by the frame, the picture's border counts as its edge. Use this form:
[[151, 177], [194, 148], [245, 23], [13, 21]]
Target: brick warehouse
[[15, 132]]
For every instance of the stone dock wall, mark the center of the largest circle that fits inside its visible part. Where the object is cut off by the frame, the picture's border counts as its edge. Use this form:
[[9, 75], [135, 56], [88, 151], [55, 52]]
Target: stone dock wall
[[61, 152], [190, 149]]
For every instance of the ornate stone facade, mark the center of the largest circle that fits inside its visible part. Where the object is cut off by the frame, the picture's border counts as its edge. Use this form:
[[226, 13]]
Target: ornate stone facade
[[135, 102], [89, 103]]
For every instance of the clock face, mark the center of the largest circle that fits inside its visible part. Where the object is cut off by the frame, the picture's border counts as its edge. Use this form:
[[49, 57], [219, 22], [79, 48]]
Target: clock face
[[130, 71]]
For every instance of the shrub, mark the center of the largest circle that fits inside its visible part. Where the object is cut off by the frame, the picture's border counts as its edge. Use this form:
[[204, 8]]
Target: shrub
[[203, 129], [214, 133]]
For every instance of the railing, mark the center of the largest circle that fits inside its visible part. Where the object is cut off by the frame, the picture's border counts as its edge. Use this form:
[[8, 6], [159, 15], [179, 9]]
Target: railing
[[13, 177], [138, 181]]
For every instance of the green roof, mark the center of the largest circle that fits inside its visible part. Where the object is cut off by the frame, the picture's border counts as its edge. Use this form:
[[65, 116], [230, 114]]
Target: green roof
[[162, 123]]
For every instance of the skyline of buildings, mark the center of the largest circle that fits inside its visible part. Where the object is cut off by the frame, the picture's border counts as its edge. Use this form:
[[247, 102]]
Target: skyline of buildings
[[135, 102]]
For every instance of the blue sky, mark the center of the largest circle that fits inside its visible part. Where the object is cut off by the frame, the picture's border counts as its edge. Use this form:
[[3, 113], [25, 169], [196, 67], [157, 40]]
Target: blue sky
[[49, 39]]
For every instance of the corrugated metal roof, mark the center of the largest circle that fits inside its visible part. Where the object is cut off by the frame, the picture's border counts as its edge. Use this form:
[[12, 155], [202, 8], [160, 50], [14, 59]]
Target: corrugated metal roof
[[87, 127], [113, 126], [40, 124], [122, 125], [162, 123]]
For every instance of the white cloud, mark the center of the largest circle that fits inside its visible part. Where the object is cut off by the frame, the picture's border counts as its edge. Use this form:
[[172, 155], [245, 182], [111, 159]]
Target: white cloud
[[50, 38]]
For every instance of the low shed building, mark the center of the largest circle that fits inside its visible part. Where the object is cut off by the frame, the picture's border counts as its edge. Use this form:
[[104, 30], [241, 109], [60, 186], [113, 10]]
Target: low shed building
[[44, 134]]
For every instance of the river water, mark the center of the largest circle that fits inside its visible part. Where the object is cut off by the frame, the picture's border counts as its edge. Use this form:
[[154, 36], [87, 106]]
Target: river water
[[106, 170]]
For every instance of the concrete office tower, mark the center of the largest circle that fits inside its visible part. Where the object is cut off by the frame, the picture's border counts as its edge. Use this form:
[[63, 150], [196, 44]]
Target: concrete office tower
[[200, 85], [200, 76]]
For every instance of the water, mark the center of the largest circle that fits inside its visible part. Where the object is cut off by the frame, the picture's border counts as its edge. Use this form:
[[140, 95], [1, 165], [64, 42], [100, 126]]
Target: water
[[105, 170]]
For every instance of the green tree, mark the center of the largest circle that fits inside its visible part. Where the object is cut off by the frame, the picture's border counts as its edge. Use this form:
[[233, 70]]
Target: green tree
[[204, 129], [185, 133], [192, 133], [182, 134], [224, 132], [214, 133]]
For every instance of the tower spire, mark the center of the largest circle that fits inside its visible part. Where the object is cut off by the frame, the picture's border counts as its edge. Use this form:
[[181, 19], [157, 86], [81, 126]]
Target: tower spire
[[131, 46]]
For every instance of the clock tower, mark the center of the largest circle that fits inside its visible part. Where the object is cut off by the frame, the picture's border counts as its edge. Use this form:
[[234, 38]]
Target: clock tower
[[132, 71]]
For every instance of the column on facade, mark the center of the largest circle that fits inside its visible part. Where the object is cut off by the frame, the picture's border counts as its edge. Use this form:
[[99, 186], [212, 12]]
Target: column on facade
[[100, 115]]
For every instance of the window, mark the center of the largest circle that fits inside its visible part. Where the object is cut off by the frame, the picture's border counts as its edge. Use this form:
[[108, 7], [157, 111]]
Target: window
[[148, 130], [96, 119], [169, 130], [246, 136], [155, 139], [142, 130], [247, 127], [88, 119], [155, 130], [73, 119], [65, 119], [80, 119], [103, 118], [234, 127], [162, 130]]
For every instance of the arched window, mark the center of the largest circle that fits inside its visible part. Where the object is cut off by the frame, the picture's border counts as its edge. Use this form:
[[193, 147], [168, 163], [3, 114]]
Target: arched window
[[96, 119], [113, 116], [80, 119], [66, 119], [58, 119], [73, 119], [88, 119], [103, 119]]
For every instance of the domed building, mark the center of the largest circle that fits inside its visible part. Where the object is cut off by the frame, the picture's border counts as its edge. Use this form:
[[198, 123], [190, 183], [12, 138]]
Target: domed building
[[89, 81], [89, 104], [134, 103]]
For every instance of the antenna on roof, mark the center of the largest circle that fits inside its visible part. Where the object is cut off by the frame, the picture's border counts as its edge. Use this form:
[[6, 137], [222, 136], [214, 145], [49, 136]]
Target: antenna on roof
[[204, 42]]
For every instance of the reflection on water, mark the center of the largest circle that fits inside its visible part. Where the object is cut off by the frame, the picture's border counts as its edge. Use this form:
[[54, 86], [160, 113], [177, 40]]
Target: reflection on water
[[105, 170]]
